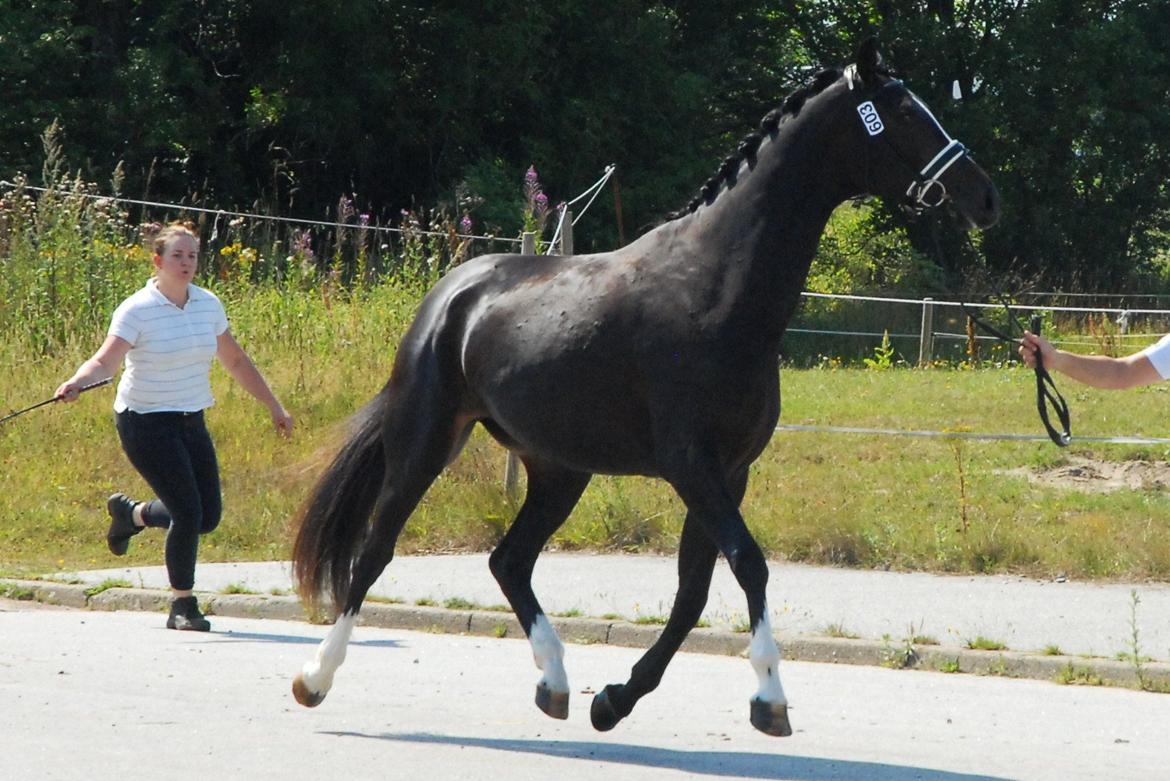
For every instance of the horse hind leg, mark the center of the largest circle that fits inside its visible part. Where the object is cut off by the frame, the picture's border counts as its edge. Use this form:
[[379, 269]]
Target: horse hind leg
[[552, 494], [393, 508], [415, 457]]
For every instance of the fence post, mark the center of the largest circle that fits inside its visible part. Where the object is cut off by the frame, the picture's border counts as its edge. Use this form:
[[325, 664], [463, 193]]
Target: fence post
[[567, 233], [512, 463], [926, 337]]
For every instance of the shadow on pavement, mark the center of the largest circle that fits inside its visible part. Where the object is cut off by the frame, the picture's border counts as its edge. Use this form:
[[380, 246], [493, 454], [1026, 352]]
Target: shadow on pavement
[[732, 764], [264, 637]]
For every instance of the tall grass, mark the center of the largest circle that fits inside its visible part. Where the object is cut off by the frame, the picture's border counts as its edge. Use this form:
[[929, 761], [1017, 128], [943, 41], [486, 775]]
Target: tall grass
[[326, 346]]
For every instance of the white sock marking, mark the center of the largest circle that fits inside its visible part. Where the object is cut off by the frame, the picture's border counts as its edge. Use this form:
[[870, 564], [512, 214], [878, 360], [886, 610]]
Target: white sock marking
[[765, 656], [318, 673], [549, 654]]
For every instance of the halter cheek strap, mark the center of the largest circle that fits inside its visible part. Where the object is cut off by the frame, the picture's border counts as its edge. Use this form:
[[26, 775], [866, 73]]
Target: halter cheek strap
[[926, 191]]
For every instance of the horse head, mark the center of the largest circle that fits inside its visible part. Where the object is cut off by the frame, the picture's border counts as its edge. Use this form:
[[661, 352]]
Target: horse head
[[908, 157]]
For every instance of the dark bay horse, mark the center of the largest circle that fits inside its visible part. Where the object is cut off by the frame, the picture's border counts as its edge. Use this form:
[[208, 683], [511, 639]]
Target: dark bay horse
[[659, 359]]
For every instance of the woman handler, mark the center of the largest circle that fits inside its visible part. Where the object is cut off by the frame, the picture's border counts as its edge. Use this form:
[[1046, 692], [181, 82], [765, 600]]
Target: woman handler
[[167, 333]]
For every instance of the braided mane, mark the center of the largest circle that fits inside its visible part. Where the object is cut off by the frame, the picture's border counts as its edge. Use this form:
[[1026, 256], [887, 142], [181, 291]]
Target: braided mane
[[748, 146]]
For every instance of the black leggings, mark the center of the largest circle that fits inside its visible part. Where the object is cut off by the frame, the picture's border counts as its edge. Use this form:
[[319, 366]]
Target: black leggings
[[174, 453]]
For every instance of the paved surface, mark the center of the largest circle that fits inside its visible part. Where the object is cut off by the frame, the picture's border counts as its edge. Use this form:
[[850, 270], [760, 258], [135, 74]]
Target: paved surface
[[1025, 615], [113, 696]]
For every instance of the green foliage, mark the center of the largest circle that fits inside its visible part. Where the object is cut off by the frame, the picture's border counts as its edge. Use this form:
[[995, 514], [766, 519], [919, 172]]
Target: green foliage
[[857, 254], [883, 355], [64, 256], [439, 104], [327, 347]]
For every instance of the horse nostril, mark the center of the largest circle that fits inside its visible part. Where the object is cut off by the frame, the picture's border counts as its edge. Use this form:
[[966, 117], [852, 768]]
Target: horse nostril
[[991, 201]]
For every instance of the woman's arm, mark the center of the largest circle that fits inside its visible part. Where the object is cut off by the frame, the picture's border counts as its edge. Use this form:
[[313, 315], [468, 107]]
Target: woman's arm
[[241, 368], [101, 366], [1100, 371]]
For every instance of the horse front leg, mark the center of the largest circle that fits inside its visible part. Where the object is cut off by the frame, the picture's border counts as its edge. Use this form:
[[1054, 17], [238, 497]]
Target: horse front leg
[[715, 506], [696, 563], [552, 494]]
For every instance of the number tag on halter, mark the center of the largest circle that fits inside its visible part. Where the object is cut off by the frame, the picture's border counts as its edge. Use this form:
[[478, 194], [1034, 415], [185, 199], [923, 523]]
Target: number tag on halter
[[869, 118]]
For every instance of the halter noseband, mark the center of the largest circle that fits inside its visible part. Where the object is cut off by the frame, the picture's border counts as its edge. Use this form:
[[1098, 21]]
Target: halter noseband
[[926, 191]]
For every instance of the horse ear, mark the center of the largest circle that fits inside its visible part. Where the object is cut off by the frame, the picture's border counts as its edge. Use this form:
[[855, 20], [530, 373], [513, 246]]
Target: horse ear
[[869, 60]]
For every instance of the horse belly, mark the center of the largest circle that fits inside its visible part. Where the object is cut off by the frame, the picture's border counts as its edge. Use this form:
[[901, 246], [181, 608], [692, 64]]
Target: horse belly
[[581, 420]]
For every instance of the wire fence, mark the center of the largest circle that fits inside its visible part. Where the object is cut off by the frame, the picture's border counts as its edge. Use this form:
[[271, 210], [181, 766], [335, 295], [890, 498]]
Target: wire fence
[[914, 331], [827, 327]]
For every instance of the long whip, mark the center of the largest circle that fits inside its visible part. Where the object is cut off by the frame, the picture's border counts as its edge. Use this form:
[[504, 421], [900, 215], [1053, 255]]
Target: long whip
[[80, 390]]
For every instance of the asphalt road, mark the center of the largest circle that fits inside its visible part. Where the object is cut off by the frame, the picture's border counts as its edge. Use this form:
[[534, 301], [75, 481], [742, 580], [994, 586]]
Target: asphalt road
[[113, 695]]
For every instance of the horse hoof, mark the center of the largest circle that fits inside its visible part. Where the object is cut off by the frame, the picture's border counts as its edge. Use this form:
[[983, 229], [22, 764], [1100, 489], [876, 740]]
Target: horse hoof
[[555, 704], [602, 714], [771, 718], [304, 695]]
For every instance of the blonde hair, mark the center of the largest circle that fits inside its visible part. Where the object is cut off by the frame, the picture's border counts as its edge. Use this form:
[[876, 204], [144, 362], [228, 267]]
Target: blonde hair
[[159, 236]]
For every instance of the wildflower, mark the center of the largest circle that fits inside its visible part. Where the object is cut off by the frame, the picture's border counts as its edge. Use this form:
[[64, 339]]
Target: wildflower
[[536, 202], [465, 224], [345, 209]]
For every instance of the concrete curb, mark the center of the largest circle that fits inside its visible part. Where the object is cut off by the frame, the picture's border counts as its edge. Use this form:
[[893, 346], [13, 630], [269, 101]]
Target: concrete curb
[[831, 650]]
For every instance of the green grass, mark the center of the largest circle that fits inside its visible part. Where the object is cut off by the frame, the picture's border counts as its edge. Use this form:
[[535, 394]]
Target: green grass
[[982, 643], [837, 629], [11, 591], [842, 499], [106, 585], [1078, 676]]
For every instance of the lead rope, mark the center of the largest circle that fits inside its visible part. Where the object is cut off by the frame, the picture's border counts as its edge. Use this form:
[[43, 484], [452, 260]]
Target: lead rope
[[1046, 391]]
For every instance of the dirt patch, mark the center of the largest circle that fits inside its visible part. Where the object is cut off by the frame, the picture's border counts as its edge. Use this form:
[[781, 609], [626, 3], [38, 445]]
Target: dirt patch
[[1091, 475]]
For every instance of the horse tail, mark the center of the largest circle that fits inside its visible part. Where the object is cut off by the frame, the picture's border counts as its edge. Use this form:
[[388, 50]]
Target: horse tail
[[333, 523]]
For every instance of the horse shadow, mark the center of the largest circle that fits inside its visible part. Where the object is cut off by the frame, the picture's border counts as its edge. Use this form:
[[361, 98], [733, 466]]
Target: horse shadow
[[729, 764], [265, 637]]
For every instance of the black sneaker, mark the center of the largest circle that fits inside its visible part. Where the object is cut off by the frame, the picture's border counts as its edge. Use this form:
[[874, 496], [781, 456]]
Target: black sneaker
[[122, 526], [185, 615]]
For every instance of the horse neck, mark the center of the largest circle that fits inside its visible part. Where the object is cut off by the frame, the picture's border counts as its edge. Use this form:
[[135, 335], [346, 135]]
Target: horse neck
[[756, 241]]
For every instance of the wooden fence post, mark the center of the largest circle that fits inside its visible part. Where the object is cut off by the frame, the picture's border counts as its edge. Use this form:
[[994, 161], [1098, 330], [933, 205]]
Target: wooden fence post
[[926, 337], [567, 233], [512, 464]]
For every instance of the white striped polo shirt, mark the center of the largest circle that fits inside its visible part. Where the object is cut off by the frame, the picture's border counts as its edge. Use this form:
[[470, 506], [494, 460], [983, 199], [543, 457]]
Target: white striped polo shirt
[[168, 367], [1159, 355]]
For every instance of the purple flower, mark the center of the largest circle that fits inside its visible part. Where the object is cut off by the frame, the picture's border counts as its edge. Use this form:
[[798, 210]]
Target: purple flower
[[466, 225], [530, 176], [364, 220]]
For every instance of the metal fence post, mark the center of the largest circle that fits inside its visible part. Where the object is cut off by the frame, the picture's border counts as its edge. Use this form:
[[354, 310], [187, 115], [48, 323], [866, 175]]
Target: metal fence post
[[512, 464], [926, 337]]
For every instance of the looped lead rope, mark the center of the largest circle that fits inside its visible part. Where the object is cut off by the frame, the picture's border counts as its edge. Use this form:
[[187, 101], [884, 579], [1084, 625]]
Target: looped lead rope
[[1046, 392]]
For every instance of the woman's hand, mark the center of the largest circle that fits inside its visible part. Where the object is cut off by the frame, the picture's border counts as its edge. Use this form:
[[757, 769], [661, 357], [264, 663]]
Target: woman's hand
[[282, 421], [1032, 345], [69, 390]]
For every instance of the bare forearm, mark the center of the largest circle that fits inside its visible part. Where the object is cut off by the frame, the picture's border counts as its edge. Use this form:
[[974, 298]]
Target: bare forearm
[[1101, 371], [245, 372]]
